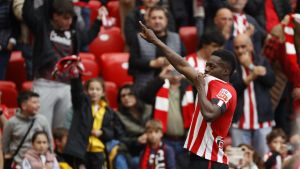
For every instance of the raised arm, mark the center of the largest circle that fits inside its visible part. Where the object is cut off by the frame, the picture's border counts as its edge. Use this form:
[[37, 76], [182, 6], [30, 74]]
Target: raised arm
[[176, 60]]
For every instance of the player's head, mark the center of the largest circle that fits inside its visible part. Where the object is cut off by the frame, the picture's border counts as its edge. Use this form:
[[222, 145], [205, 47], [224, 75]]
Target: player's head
[[221, 64]]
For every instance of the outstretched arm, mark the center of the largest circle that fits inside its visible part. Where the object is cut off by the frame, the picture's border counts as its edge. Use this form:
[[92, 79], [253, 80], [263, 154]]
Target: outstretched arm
[[176, 60]]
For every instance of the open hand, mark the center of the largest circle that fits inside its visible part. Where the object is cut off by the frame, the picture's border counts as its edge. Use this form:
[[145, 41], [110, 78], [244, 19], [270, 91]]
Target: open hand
[[147, 34]]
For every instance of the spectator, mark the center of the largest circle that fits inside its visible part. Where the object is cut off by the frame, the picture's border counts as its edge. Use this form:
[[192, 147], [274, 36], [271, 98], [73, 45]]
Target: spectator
[[217, 98], [22, 126], [293, 162], [133, 114], [275, 141], [156, 154], [268, 13], [92, 125], [243, 23], [251, 159], [146, 60], [7, 34], [199, 14], [60, 137], [140, 13], [56, 36], [209, 42], [39, 155], [254, 117], [173, 103]]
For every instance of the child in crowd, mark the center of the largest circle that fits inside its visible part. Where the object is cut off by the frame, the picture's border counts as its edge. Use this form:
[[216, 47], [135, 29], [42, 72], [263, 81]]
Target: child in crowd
[[92, 125], [251, 159], [39, 156], [275, 141], [60, 136], [156, 154]]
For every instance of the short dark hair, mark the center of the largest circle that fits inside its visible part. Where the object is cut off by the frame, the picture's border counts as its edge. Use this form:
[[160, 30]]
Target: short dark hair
[[227, 57], [26, 95], [59, 133], [62, 7], [153, 125], [37, 133], [211, 37], [158, 8], [276, 132]]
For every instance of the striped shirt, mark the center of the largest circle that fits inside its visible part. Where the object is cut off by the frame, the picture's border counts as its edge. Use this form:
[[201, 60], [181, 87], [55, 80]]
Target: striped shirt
[[196, 62], [249, 118], [206, 139]]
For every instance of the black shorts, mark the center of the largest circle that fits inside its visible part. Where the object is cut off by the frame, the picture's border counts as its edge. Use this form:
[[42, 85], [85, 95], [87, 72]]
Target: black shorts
[[197, 162]]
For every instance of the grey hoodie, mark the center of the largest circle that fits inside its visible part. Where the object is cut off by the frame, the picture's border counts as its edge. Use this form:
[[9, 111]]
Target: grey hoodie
[[16, 128]]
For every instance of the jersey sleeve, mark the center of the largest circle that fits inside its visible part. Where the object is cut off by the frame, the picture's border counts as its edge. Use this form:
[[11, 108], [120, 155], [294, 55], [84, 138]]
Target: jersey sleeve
[[221, 96]]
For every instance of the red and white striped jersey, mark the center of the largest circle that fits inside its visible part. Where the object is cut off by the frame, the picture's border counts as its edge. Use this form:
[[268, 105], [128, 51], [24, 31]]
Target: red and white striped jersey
[[240, 24], [249, 118], [206, 139], [196, 62]]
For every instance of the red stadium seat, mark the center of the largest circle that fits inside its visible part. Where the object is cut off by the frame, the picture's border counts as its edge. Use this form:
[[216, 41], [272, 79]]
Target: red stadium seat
[[88, 56], [9, 96], [8, 84], [94, 6], [188, 35], [16, 70], [111, 92], [113, 10], [115, 67], [108, 41], [91, 69], [27, 86]]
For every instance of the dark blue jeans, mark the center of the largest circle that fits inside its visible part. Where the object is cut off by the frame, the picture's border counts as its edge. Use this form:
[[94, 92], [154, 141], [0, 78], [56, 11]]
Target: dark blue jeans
[[4, 60]]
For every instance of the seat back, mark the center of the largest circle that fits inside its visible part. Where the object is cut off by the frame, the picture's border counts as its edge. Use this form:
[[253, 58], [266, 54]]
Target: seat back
[[188, 36]]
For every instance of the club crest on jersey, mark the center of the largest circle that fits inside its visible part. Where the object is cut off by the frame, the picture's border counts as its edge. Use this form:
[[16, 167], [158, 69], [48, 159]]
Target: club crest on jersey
[[220, 142], [224, 95]]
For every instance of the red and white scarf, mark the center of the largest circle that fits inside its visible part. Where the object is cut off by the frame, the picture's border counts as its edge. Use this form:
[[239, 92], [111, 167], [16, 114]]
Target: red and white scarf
[[162, 105], [154, 158], [240, 24], [290, 49]]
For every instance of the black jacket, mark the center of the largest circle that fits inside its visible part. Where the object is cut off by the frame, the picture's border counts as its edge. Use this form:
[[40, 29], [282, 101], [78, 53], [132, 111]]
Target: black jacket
[[82, 123], [39, 22], [261, 88]]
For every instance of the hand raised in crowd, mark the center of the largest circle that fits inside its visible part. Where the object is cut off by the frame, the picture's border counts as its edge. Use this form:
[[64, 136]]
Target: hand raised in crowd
[[159, 62], [102, 12], [148, 34], [97, 133], [142, 139], [259, 71], [250, 30], [245, 59]]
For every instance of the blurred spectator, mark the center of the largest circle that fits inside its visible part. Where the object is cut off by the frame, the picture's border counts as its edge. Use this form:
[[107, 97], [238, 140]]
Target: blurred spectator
[[254, 117], [268, 13], [8, 31], [293, 161], [141, 13], [275, 141], [56, 36], [126, 7], [199, 14], [146, 60], [133, 114], [209, 42], [172, 98], [60, 137], [156, 154], [251, 159], [243, 23], [92, 125], [24, 40], [19, 129], [39, 155]]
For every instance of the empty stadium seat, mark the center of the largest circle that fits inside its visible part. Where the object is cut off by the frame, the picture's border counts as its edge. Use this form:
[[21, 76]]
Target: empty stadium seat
[[111, 91], [86, 55], [188, 36], [27, 85], [8, 84], [115, 68], [9, 96], [91, 69], [108, 41], [16, 70]]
